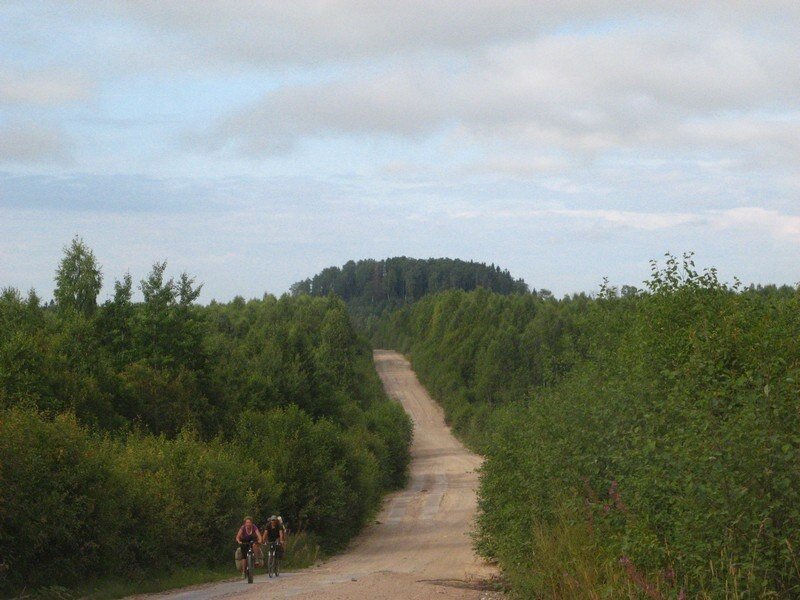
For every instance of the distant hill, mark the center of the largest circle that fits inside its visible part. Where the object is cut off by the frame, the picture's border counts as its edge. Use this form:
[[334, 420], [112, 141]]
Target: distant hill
[[373, 285]]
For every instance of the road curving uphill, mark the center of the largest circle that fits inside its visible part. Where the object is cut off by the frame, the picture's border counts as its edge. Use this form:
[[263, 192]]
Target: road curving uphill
[[419, 545]]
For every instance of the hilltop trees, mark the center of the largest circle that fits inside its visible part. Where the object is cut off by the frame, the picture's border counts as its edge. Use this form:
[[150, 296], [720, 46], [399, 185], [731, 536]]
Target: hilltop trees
[[401, 280], [372, 288]]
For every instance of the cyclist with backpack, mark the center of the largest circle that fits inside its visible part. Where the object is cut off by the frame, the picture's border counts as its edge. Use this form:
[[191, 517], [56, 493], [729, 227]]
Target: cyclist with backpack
[[274, 531], [275, 540]]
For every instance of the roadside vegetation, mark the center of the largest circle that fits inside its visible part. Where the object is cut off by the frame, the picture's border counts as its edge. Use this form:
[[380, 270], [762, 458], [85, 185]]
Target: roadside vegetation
[[136, 434], [639, 444]]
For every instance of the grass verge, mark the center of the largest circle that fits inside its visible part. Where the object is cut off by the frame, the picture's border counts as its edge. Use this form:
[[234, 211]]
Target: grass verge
[[302, 551]]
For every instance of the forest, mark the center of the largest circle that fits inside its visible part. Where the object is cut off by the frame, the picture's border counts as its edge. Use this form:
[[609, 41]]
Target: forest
[[638, 443], [371, 287], [136, 432]]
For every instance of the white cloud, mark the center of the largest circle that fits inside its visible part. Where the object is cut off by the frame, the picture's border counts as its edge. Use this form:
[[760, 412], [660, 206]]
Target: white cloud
[[314, 32], [765, 139], [42, 88], [753, 218], [588, 93], [645, 221], [576, 134], [517, 166], [27, 142], [769, 223]]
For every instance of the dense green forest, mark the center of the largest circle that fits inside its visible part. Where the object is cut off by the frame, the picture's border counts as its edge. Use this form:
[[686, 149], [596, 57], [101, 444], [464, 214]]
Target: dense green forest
[[370, 287], [135, 434], [644, 444]]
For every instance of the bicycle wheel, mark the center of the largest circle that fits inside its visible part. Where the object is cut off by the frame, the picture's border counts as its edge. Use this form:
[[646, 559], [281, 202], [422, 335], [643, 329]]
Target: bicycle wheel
[[250, 567], [277, 565], [271, 563]]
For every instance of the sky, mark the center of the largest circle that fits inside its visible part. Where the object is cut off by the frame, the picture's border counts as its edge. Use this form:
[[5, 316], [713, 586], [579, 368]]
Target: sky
[[253, 144]]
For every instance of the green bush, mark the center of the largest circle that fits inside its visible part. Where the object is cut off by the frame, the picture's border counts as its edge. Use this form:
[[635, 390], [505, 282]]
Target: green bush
[[76, 504], [670, 414], [54, 482], [134, 436]]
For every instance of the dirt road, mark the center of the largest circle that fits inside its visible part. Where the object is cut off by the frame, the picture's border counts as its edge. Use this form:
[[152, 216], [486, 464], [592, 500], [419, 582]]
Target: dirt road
[[419, 546]]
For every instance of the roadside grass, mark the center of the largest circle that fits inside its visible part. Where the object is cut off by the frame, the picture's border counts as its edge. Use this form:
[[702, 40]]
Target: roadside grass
[[570, 562], [302, 551], [118, 587]]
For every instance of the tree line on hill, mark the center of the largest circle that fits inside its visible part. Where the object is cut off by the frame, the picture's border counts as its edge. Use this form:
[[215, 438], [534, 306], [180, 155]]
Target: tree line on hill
[[370, 287], [134, 435], [642, 444]]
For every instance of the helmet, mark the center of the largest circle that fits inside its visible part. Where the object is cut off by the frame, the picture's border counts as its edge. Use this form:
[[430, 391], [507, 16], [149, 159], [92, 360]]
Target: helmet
[[273, 518]]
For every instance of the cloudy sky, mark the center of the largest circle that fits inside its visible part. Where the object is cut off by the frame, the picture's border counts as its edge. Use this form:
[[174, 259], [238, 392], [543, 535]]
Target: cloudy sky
[[252, 144]]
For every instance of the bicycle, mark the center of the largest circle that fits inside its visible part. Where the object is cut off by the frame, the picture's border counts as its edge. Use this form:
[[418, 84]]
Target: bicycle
[[250, 562], [273, 559]]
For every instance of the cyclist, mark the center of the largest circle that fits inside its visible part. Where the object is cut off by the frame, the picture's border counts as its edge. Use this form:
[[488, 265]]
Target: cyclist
[[247, 534], [275, 531]]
